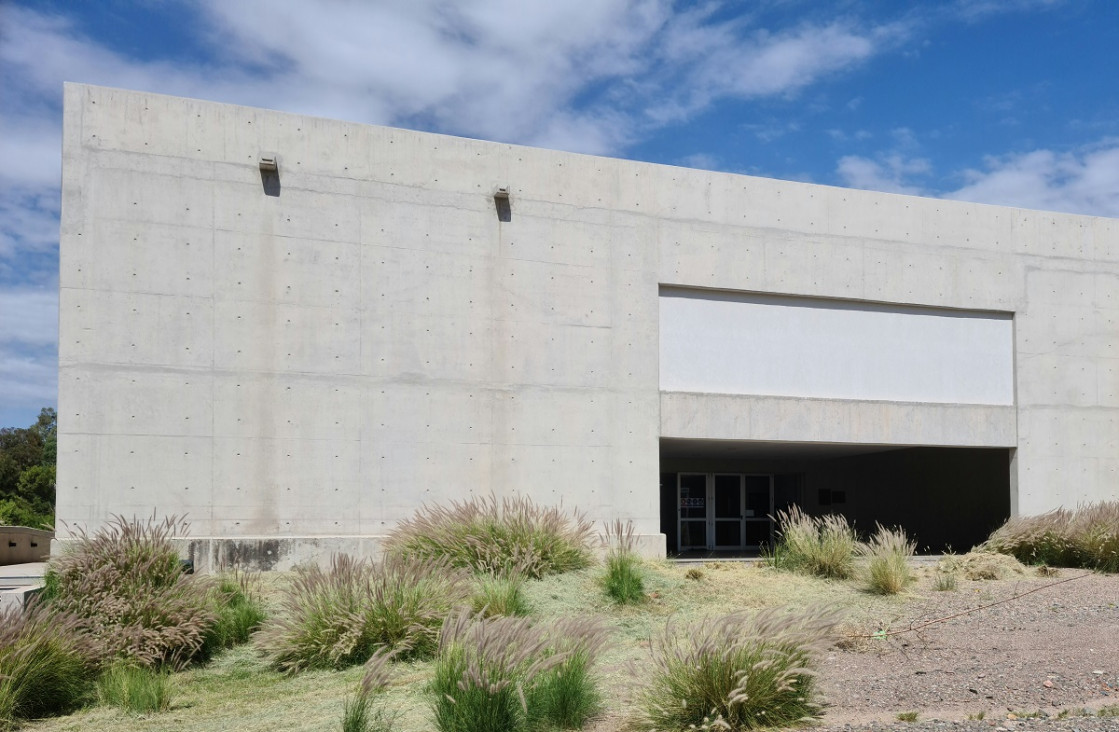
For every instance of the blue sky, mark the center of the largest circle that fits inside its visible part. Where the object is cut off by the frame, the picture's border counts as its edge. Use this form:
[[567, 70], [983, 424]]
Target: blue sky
[[1012, 102]]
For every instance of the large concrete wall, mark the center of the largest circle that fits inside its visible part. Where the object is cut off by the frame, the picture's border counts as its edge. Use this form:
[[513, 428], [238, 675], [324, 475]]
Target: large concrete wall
[[317, 363]]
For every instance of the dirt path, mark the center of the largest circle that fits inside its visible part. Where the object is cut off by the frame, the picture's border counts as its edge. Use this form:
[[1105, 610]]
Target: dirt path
[[1051, 651]]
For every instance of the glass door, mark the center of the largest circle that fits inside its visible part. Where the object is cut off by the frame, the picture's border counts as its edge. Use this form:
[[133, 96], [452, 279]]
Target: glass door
[[759, 508], [728, 514], [692, 495]]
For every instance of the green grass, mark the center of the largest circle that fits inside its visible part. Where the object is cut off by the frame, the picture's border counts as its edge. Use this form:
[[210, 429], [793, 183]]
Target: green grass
[[135, 688], [511, 675], [238, 613], [45, 665], [499, 595], [907, 716], [622, 580]]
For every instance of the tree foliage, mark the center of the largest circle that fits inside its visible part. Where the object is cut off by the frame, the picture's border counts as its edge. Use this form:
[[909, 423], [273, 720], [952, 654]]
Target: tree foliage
[[27, 472]]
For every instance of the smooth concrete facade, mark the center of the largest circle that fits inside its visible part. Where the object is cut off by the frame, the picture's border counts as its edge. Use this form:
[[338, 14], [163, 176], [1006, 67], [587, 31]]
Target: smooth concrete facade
[[305, 360]]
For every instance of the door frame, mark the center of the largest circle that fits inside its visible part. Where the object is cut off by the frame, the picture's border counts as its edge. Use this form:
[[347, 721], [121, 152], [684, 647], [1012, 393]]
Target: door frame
[[709, 512]]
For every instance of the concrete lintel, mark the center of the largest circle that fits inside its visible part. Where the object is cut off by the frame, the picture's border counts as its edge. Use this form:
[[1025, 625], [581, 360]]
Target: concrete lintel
[[773, 419]]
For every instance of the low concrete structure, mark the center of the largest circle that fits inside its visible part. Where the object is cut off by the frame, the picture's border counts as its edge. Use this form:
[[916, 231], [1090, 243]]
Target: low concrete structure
[[295, 331], [19, 544]]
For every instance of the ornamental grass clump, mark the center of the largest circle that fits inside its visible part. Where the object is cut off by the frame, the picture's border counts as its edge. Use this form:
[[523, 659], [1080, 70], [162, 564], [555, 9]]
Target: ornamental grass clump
[[509, 675], [496, 595], [1086, 537], [887, 553], [363, 712], [493, 537], [238, 612], [623, 582], [126, 586], [823, 546], [339, 617], [135, 688], [737, 672], [46, 664]]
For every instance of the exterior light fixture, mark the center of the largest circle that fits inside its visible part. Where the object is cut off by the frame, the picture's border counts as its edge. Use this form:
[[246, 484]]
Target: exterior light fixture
[[269, 163], [501, 203]]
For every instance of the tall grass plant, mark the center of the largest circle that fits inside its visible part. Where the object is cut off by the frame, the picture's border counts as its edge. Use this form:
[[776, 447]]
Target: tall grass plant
[[823, 546], [497, 537], [1086, 537], [340, 616], [46, 664], [737, 672], [622, 580], [887, 553], [126, 586]]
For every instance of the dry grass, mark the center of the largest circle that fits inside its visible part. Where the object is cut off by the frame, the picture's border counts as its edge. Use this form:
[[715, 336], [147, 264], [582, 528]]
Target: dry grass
[[491, 537], [888, 553], [341, 616], [823, 546], [744, 670], [981, 565], [240, 690], [1086, 537]]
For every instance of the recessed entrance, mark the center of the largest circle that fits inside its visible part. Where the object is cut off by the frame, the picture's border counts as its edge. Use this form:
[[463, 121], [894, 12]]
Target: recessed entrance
[[719, 497], [723, 511]]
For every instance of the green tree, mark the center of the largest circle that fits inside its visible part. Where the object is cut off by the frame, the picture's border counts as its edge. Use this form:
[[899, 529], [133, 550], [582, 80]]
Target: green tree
[[27, 471]]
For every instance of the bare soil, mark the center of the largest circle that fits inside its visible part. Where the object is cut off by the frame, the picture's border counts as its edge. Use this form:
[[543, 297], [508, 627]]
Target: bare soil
[[1043, 656]]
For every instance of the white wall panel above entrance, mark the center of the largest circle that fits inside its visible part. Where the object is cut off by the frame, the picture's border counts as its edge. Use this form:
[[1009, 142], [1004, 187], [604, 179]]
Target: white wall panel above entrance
[[737, 343]]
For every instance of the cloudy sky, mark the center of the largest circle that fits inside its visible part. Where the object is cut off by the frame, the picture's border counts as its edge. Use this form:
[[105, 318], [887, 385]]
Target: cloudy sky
[[999, 101]]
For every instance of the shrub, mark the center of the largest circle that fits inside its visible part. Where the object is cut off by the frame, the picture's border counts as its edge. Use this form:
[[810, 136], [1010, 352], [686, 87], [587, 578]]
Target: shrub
[[238, 613], [1087, 537], [944, 582], [339, 617], [823, 546], [499, 595], [622, 581], [45, 664], [888, 553], [497, 538], [135, 688], [126, 585], [740, 671], [361, 713], [507, 675]]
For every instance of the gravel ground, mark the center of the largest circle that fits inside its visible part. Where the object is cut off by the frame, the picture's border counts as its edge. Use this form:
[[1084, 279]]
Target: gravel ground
[[1052, 651]]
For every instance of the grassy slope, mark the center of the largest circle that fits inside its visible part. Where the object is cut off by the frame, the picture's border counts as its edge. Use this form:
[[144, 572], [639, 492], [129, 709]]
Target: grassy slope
[[237, 691]]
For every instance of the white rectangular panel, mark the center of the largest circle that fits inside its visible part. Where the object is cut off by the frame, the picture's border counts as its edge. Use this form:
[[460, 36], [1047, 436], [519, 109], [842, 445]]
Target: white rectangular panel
[[738, 343]]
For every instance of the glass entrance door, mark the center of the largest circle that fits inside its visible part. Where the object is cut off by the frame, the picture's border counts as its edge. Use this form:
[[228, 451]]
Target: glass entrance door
[[692, 502], [723, 511], [728, 511], [759, 508]]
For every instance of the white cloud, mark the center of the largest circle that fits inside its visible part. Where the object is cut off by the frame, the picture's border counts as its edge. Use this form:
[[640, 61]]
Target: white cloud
[[28, 371], [888, 173], [1084, 181]]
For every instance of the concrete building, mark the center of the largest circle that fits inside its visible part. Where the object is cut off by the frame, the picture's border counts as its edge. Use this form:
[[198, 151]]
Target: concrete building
[[295, 331]]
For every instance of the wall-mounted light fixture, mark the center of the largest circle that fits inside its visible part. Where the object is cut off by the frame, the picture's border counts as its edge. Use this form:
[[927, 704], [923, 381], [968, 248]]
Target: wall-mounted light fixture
[[501, 203], [270, 173]]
